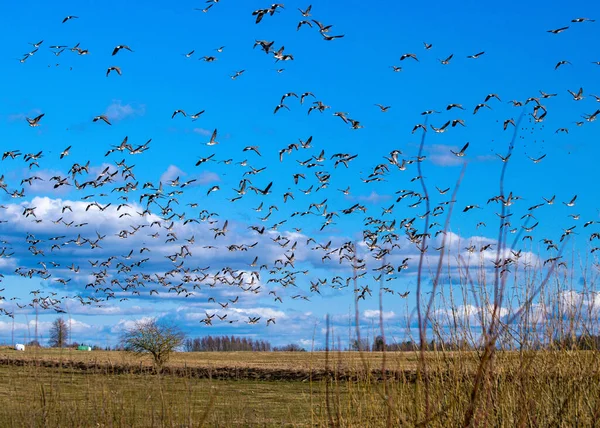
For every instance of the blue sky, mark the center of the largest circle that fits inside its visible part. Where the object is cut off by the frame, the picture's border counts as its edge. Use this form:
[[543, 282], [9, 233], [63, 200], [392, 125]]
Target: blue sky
[[350, 75]]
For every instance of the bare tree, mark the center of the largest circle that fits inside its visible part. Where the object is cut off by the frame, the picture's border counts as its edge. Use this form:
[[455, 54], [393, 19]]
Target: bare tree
[[59, 333], [150, 336]]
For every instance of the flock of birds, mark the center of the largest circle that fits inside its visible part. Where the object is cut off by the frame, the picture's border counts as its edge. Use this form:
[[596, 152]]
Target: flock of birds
[[157, 222]]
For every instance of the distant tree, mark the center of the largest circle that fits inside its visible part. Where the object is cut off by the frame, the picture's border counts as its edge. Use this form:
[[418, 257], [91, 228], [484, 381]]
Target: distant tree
[[159, 339], [225, 344], [292, 347], [59, 333], [378, 344], [362, 345]]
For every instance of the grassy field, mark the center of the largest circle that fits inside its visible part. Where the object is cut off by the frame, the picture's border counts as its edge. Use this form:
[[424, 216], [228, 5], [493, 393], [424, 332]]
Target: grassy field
[[524, 389], [281, 360]]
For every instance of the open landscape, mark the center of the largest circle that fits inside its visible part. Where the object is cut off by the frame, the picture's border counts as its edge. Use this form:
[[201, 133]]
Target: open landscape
[[338, 214], [537, 388]]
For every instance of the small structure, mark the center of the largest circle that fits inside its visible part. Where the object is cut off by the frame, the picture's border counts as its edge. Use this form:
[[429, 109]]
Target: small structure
[[19, 347], [84, 348]]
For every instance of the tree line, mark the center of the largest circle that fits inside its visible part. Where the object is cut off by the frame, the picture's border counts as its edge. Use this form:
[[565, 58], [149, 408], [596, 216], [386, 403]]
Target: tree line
[[225, 344]]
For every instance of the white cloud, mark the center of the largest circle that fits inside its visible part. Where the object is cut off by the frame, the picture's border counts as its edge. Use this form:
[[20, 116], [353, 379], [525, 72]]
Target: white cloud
[[373, 314], [202, 131], [373, 198], [126, 324], [171, 173], [207, 177], [117, 111], [440, 155]]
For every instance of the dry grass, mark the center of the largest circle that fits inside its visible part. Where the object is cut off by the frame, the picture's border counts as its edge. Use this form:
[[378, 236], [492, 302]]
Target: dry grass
[[540, 388], [267, 360]]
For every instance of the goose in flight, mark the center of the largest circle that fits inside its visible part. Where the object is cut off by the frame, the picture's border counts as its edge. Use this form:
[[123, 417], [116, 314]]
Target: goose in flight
[[262, 192], [446, 61], [571, 203], [504, 158], [102, 117], [279, 107], [383, 108], [461, 153], [322, 28], [35, 121], [409, 55], [477, 55], [490, 96], [237, 74], [304, 95], [306, 13], [328, 37], [479, 106], [508, 122], [213, 139], [194, 117], [442, 129], [65, 152], [119, 47], [113, 68], [592, 117], [206, 9], [559, 63], [470, 207], [252, 148], [178, 111], [301, 23], [576, 96], [558, 30], [212, 189], [417, 126], [203, 160]]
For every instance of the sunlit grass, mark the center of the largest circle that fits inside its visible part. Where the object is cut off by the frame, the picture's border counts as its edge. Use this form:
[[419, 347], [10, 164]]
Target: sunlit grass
[[538, 388]]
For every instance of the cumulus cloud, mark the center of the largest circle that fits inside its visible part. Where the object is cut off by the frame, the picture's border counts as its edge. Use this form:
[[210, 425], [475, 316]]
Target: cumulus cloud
[[171, 174], [18, 117], [373, 198], [373, 314], [126, 324], [117, 111], [440, 155], [207, 177], [202, 131]]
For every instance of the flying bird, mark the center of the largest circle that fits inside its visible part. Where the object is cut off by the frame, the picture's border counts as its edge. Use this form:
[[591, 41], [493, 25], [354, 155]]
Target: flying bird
[[35, 121], [461, 153], [306, 13], [558, 30], [446, 61], [477, 55], [119, 47], [113, 68], [559, 63], [102, 117], [409, 55]]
